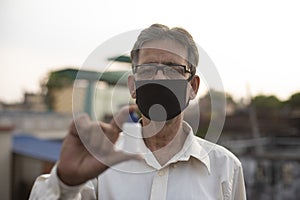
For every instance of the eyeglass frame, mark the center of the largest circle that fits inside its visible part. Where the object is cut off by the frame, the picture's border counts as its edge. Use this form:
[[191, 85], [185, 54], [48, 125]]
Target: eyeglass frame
[[191, 70]]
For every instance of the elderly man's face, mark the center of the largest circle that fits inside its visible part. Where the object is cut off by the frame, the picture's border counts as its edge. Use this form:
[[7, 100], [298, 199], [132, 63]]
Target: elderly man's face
[[162, 52], [161, 83]]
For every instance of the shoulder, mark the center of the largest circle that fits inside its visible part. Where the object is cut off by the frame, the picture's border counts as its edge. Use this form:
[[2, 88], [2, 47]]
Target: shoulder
[[218, 155]]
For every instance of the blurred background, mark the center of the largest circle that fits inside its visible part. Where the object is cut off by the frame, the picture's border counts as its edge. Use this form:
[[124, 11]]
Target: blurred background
[[254, 46]]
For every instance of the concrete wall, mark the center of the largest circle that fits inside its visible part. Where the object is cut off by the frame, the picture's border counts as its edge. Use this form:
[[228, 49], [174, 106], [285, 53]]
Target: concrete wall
[[5, 162]]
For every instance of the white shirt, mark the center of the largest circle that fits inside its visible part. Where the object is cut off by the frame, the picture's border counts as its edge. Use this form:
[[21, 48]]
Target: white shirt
[[201, 170]]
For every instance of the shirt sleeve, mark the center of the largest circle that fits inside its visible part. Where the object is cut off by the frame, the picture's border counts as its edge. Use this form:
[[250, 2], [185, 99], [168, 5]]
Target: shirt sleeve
[[238, 185], [50, 187]]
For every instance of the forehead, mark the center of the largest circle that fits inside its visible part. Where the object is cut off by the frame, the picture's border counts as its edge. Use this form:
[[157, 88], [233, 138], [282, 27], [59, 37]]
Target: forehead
[[162, 51]]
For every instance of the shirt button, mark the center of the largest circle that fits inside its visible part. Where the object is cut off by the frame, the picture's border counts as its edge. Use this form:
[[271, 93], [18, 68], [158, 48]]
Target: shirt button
[[161, 173]]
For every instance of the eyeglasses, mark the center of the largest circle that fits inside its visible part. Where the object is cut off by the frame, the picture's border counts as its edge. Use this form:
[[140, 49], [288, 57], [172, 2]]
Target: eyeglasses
[[172, 71]]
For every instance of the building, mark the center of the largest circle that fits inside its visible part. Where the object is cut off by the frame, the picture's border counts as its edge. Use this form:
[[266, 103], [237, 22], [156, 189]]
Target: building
[[98, 94]]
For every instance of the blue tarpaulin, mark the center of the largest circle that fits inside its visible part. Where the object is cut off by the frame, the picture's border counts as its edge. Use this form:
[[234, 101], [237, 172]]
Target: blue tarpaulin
[[42, 149]]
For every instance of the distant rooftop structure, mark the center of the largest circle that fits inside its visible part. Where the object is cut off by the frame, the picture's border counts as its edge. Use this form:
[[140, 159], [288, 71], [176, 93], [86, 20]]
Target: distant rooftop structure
[[94, 90], [45, 125], [68, 75], [125, 59]]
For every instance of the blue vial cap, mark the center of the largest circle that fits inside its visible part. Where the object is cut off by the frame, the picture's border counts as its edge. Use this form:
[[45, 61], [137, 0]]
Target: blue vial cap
[[133, 117]]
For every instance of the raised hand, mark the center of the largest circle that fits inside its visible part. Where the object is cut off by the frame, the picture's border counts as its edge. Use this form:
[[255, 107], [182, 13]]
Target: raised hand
[[88, 149]]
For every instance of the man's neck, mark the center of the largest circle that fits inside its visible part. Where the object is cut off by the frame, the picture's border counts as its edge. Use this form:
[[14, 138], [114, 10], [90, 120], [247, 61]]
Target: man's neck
[[164, 139]]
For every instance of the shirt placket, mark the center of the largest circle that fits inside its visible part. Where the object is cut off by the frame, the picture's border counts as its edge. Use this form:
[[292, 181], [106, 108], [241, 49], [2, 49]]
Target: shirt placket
[[160, 184]]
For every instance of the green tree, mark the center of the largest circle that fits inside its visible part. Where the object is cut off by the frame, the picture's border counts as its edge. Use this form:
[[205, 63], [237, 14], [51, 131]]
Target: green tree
[[294, 101], [267, 106]]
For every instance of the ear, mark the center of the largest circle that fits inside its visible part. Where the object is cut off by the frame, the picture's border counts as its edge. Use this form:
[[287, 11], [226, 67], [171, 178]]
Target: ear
[[195, 84], [131, 86]]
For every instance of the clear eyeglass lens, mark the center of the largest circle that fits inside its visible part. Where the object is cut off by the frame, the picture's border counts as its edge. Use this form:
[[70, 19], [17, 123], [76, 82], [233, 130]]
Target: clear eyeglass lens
[[149, 71]]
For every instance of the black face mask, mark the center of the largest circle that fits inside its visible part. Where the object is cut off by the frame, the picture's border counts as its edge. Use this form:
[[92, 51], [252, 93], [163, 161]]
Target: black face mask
[[161, 100]]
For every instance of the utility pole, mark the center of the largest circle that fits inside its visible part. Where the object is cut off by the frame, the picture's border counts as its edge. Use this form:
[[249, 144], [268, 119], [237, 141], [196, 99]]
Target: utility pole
[[254, 123]]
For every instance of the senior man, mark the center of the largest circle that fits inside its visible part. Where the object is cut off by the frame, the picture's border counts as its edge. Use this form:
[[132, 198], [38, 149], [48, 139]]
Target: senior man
[[173, 163]]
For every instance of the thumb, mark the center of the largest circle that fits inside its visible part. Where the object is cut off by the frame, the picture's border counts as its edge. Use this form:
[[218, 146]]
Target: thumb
[[122, 116]]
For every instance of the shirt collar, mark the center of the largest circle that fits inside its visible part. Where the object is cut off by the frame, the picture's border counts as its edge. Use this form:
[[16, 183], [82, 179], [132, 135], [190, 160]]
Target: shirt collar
[[192, 148]]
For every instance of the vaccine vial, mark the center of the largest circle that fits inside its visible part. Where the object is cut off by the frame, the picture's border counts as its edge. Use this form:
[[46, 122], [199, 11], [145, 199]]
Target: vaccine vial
[[132, 133]]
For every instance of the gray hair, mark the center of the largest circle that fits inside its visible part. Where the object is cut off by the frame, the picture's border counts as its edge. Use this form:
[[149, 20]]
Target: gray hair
[[158, 32]]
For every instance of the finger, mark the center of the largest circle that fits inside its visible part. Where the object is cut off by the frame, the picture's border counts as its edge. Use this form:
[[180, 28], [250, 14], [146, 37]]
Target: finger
[[96, 137], [101, 138], [109, 131], [122, 116], [82, 122], [82, 125], [133, 108]]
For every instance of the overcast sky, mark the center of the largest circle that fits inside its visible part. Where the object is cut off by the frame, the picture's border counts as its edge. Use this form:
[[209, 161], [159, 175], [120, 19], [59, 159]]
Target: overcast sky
[[251, 42]]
